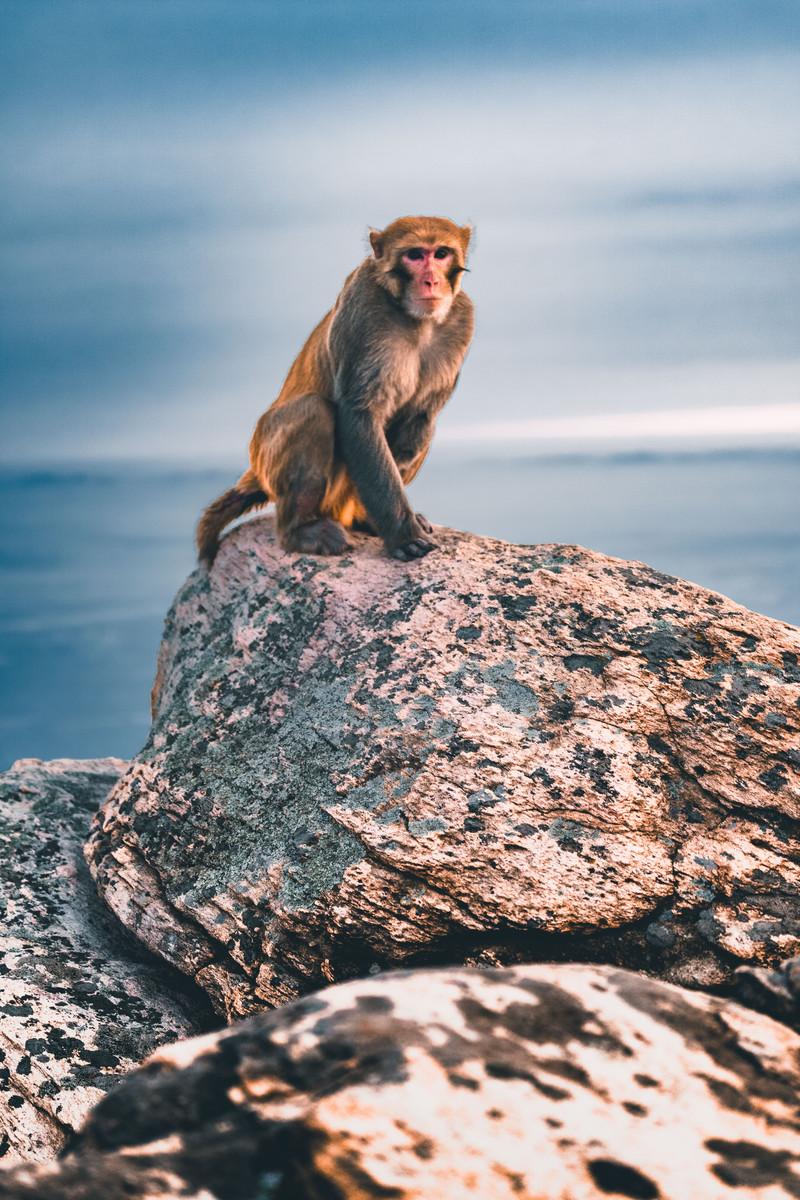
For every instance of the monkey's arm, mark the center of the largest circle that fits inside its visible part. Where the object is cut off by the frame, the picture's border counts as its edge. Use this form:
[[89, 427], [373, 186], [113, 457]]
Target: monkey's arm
[[410, 433], [373, 470]]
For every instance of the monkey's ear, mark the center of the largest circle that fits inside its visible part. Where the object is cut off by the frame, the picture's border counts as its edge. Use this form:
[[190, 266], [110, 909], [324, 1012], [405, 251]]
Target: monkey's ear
[[376, 241], [466, 234]]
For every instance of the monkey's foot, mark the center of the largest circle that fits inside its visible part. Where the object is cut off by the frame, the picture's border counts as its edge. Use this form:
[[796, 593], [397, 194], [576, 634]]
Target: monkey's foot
[[324, 536]]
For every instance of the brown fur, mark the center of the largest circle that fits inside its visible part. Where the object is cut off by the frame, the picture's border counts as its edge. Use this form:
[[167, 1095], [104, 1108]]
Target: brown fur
[[226, 508], [354, 419]]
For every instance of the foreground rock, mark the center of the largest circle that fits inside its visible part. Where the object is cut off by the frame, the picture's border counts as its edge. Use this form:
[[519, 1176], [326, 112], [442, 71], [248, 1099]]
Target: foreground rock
[[500, 753], [78, 1004], [540, 1082]]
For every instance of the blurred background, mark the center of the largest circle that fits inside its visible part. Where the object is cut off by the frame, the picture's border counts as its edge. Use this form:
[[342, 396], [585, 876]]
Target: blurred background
[[185, 184]]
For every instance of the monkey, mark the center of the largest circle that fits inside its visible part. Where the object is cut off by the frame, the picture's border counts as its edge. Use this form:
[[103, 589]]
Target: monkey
[[355, 417]]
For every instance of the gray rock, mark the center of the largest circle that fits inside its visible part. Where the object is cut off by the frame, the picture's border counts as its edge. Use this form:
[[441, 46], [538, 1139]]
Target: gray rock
[[532, 1082], [775, 992], [79, 1002], [499, 753]]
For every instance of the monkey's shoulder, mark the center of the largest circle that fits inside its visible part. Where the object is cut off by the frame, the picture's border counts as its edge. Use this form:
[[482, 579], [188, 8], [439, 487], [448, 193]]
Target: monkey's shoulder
[[362, 311]]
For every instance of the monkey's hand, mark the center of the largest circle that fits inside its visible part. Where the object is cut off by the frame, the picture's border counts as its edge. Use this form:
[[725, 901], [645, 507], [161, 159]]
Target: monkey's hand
[[410, 550], [417, 542]]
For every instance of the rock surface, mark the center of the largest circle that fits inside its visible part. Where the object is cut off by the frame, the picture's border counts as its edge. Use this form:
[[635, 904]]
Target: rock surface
[[499, 753], [540, 1082], [78, 1002]]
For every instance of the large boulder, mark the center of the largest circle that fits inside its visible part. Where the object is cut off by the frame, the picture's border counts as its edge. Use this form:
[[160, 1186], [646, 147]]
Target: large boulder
[[79, 1001], [499, 753], [538, 1082]]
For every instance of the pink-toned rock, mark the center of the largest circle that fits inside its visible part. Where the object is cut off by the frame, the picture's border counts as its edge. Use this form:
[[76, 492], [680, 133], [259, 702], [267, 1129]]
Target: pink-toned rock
[[499, 753], [79, 1001], [528, 1083]]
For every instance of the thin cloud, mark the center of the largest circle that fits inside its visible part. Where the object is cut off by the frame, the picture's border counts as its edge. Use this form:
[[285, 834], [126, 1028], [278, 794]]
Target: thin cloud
[[722, 423]]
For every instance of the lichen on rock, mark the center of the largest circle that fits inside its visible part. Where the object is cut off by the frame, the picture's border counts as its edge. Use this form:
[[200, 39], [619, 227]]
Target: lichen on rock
[[497, 754], [79, 1001], [539, 1081]]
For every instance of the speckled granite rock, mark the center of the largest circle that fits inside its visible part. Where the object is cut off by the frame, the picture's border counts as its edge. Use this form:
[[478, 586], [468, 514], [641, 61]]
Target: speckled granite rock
[[78, 1002], [540, 1082], [500, 753]]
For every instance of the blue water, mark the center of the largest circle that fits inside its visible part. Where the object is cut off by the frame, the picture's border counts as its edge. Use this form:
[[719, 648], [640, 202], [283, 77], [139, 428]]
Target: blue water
[[90, 559]]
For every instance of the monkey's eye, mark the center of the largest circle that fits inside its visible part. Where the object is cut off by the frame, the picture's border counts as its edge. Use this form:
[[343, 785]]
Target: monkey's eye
[[415, 254], [442, 252]]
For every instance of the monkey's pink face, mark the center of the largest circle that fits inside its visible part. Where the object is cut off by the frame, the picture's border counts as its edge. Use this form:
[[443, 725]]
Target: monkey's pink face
[[429, 292]]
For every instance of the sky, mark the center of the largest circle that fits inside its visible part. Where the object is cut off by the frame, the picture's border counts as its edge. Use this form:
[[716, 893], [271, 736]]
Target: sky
[[184, 184]]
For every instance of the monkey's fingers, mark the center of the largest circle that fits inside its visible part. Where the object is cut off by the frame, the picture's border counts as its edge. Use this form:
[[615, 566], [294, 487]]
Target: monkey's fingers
[[417, 548], [424, 523]]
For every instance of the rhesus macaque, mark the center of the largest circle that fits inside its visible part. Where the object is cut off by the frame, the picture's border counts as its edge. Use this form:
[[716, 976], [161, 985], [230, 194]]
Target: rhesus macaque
[[354, 419]]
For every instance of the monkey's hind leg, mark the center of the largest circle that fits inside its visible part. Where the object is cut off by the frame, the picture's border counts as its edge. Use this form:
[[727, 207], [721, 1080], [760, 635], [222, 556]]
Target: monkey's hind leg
[[296, 460]]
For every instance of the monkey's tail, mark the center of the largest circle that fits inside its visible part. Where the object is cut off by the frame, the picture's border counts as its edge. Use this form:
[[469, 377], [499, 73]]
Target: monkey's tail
[[226, 508]]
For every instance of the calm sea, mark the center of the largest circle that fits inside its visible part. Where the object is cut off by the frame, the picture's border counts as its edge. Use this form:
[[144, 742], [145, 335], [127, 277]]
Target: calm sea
[[90, 559]]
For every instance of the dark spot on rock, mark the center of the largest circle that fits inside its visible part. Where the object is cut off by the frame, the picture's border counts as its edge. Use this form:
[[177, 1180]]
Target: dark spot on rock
[[463, 1081], [462, 745], [774, 779], [657, 743], [748, 1165], [516, 607], [560, 1018], [647, 1081], [511, 1070], [701, 687], [15, 1102], [375, 1004], [483, 799], [495, 1114], [790, 666], [727, 1095], [636, 1110], [596, 663], [24, 1065], [561, 710], [565, 1070], [99, 1058], [424, 1148], [468, 633], [618, 1179], [596, 763]]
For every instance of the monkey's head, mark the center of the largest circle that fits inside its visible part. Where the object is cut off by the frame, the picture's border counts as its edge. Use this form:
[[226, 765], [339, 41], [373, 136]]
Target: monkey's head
[[420, 261]]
